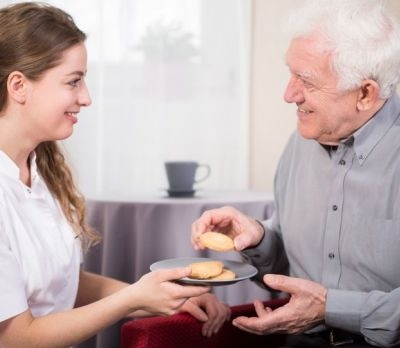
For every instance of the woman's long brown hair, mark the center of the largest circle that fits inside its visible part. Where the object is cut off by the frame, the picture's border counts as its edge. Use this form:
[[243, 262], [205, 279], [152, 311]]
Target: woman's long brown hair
[[33, 37]]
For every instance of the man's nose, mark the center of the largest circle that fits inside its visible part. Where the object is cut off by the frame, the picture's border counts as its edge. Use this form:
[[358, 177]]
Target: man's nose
[[294, 91]]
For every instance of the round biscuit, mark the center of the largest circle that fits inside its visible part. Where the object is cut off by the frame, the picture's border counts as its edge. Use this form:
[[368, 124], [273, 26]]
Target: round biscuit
[[205, 269], [216, 241], [226, 274]]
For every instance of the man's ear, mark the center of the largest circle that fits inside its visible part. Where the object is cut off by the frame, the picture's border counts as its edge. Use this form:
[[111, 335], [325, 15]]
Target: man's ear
[[368, 95], [17, 86]]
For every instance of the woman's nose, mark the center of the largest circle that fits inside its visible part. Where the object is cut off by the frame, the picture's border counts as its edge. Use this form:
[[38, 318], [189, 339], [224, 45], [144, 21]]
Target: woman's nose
[[84, 97]]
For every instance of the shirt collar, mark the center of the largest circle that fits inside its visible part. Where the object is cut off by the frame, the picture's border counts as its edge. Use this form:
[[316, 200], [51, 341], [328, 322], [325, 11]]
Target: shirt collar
[[368, 136], [10, 169], [8, 166]]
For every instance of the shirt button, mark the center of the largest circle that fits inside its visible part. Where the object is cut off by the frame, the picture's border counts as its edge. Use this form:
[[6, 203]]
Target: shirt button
[[331, 255], [342, 162], [334, 207]]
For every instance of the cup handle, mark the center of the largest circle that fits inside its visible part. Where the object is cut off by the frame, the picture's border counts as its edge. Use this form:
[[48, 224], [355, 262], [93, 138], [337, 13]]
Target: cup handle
[[207, 173]]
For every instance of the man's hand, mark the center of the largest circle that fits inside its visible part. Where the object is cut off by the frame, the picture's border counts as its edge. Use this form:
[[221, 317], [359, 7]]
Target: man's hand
[[305, 309], [244, 230]]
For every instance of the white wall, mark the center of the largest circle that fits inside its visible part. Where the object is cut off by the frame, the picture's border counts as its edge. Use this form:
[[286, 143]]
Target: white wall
[[272, 121]]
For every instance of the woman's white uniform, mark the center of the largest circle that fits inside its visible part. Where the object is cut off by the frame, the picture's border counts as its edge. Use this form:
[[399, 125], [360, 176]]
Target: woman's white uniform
[[40, 255]]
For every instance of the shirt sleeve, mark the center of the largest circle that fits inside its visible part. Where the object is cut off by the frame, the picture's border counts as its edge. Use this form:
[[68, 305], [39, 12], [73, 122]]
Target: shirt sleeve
[[376, 314], [13, 298], [269, 256]]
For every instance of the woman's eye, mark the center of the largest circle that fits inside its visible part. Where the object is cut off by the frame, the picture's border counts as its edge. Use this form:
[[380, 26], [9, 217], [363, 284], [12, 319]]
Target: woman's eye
[[75, 82]]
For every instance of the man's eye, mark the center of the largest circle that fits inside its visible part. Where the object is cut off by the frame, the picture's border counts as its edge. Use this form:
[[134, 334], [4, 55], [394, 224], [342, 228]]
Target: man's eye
[[308, 85]]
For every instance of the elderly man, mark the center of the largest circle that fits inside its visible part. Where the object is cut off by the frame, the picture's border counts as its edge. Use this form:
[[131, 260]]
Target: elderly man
[[333, 242]]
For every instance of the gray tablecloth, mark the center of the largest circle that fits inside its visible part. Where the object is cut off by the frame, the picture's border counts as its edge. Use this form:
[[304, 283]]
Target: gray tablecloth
[[143, 229]]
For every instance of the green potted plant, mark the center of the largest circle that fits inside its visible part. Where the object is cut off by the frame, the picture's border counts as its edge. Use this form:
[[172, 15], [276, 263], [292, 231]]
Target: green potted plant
[[169, 60], [167, 42]]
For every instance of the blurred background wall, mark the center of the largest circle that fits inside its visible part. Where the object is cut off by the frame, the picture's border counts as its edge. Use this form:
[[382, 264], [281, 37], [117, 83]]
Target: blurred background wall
[[195, 80]]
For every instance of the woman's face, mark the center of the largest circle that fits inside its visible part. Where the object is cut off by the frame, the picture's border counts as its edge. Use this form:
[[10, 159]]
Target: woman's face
[[53, 103]]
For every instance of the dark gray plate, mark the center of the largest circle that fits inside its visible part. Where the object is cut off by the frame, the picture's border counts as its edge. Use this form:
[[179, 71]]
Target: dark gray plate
[[242, 270]]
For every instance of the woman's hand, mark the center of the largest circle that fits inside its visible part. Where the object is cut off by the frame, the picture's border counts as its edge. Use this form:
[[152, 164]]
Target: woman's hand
[[157, 294], [210, 310]]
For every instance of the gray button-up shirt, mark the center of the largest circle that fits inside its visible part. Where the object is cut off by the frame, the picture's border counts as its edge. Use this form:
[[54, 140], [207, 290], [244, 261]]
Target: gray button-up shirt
[[337, 221]]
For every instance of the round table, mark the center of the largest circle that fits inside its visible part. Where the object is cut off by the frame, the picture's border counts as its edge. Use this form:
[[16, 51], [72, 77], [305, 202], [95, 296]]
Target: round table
[[140, 229]]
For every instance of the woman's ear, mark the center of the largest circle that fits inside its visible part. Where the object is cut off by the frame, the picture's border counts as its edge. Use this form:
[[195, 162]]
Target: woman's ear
[[368, 95], [16, 86]]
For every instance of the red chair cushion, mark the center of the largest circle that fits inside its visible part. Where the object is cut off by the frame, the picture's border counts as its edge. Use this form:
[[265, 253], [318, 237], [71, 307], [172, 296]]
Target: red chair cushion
[[182, 330]]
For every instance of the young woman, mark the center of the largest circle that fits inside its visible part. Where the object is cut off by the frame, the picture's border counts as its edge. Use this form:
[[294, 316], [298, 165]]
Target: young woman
[[46, 300]]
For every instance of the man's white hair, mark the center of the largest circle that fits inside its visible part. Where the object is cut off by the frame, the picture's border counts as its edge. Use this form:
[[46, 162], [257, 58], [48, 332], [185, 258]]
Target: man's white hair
[[361, 35]]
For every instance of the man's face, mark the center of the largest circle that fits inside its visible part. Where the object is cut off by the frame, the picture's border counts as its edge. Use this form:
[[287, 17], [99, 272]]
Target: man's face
[[323, 113]]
